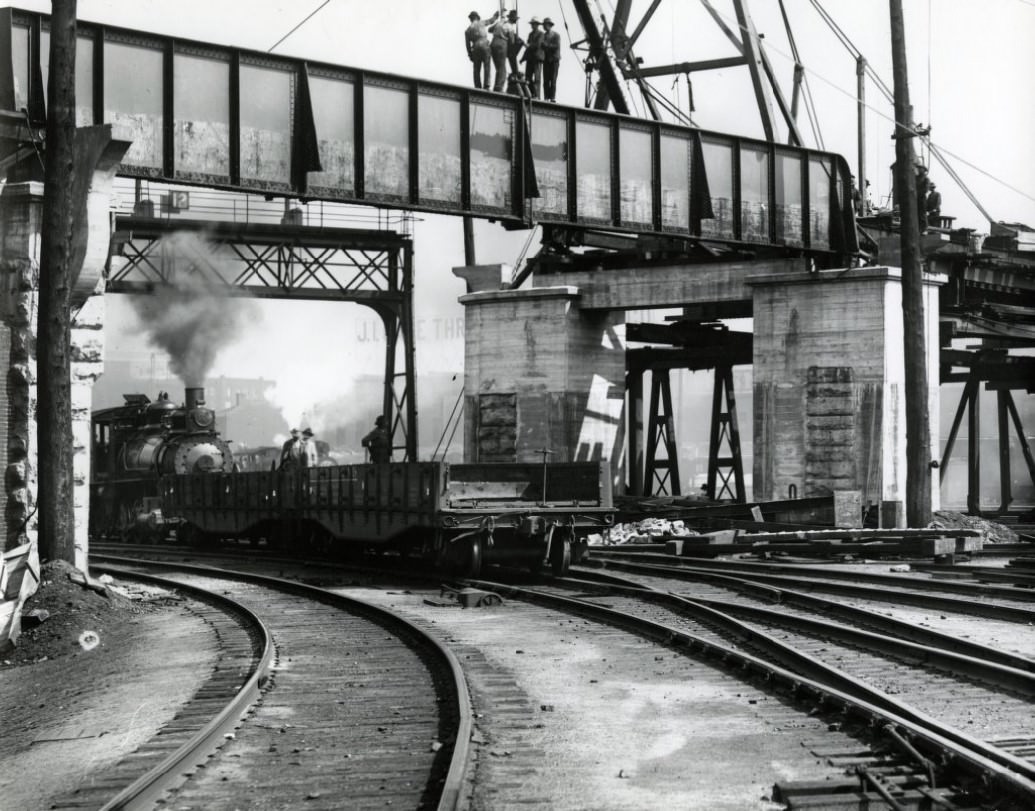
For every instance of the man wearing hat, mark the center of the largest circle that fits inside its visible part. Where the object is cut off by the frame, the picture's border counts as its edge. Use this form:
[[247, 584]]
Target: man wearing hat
[[310, 455], [533, 58], [378, 443], [477, 38], [551, 59], [934, 205], [291, 451], [504, 41]]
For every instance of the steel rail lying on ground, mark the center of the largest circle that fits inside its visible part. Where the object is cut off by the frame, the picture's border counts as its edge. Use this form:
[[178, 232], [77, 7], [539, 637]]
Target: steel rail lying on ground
[[146, 790], [987, 763], [449, 798]]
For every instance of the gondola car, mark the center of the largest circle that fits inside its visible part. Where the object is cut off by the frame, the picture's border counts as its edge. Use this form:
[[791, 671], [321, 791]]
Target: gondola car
[[138, 442], [463, 514]]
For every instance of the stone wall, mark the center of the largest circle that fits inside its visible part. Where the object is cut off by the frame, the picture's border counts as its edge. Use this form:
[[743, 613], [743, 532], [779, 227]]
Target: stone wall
[[21, 210]]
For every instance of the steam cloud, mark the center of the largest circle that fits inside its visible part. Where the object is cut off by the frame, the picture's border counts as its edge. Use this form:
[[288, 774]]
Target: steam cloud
[[193, 316]]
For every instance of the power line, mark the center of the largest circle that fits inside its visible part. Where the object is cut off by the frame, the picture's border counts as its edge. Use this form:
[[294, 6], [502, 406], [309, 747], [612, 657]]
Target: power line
[[293, 30]]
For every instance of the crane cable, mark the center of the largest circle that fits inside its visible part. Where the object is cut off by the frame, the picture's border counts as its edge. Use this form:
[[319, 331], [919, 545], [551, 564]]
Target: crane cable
[[807, 99], [293, 30]]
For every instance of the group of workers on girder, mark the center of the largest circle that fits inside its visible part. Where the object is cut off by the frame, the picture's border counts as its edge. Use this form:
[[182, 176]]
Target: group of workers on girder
[[496, 44]]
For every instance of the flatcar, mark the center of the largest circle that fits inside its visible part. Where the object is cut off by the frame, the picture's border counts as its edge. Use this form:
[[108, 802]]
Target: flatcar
[[464, 515], [137, 443]]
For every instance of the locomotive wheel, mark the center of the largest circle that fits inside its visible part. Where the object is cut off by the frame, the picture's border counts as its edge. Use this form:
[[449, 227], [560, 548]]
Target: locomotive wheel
[[560, 556]]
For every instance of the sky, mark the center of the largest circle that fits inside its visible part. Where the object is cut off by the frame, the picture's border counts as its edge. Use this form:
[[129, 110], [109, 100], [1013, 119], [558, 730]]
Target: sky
[[971, 69]]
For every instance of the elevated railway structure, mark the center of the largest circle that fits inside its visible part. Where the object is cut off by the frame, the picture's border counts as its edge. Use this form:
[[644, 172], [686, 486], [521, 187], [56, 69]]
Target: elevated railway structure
[[635, 215]]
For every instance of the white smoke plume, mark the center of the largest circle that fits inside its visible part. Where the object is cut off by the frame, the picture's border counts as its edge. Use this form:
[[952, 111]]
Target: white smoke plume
[[195, 315]]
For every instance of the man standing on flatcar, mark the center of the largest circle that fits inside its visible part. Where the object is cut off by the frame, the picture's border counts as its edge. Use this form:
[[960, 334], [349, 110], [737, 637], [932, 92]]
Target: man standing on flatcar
[[310, 456], [378, 443], [291, 452]]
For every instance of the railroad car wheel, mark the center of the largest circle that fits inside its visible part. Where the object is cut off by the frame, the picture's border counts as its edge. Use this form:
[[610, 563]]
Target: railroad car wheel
[[472, 566], [560, 556]]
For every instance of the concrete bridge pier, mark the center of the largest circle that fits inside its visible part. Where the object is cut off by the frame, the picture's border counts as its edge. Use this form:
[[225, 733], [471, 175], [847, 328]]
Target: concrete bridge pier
[[829, 394], [542, 374]]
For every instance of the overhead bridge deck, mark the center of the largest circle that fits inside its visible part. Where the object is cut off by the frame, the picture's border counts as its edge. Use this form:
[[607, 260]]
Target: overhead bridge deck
[[205, 114]]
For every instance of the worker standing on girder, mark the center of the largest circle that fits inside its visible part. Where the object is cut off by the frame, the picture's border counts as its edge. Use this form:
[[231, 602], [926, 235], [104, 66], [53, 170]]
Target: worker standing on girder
[[922, 182], [533, 58], [551, 59], [933, 205], [504, 36], [477, 39]]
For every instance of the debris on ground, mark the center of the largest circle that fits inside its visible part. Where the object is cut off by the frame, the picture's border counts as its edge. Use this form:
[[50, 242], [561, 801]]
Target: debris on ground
[[991, 532], [75, 613], [649, 530]]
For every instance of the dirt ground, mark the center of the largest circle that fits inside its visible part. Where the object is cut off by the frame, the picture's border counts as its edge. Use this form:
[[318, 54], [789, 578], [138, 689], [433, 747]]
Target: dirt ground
[[89, 685], [80, 618]]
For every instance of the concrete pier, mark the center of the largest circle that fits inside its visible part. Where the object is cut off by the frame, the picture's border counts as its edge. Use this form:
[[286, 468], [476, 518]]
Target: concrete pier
[[542, 374], [829, 395]]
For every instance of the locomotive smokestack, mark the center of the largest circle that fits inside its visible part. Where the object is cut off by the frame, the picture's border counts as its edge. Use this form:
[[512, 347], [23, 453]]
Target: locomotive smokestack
[[195, 396]]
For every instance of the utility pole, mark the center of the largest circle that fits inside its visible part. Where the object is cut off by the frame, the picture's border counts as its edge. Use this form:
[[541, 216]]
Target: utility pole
[[53, 356], [918, 432], [860, 184]]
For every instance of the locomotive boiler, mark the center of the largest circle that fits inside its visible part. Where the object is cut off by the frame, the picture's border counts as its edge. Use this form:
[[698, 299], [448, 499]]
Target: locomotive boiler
[[136, 443]]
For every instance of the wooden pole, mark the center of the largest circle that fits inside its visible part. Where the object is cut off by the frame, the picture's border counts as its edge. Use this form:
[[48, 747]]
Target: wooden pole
[[53, 356], [918, 434], [469, 255]]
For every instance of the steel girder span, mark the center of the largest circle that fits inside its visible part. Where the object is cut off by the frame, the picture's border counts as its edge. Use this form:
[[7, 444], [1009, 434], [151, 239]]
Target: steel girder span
[[295, 262], [287, 127]]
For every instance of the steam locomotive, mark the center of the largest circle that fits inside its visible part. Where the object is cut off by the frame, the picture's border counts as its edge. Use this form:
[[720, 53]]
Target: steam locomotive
[[137, 443]]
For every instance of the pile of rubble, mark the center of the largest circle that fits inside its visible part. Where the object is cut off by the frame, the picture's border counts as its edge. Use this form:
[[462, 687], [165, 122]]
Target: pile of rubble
[[649, 530], [991, 532]]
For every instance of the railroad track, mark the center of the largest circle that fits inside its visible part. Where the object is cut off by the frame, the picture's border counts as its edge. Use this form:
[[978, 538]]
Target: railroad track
[[890, 748], [245, 655], [788, 663], [359, 708], [985, 691]]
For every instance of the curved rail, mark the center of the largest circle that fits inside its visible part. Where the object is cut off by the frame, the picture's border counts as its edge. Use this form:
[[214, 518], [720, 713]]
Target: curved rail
[[846, 613], [451, 789], [757, 570], [922, 597], [146, 789], [989, 764]]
